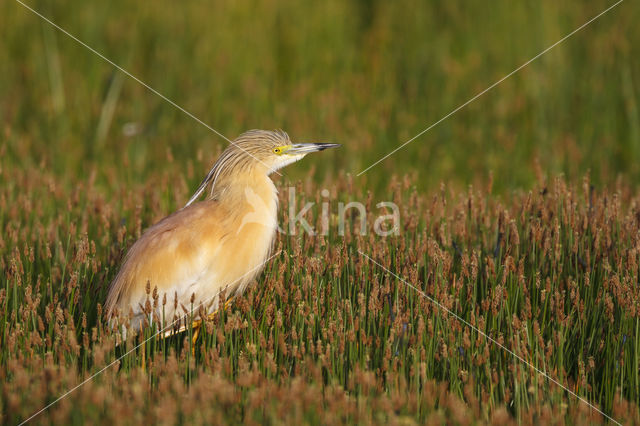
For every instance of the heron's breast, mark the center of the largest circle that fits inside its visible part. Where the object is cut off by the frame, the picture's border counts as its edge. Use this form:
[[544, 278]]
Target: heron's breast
[[248, 240]]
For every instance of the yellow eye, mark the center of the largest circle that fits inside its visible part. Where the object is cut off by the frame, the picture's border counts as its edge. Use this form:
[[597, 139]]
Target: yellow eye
[[277, 150]]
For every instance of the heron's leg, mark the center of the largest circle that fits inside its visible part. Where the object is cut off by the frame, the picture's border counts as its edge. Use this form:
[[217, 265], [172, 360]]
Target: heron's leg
[[195, 327], [226, 306], [197, 324], [196, 330]]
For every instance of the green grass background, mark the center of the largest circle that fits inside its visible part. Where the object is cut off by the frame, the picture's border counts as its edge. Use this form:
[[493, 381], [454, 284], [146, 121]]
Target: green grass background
[[367, 74]]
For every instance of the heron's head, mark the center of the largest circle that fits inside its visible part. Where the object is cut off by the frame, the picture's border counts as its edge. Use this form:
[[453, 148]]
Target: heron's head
[[257, 151], [270, 150]]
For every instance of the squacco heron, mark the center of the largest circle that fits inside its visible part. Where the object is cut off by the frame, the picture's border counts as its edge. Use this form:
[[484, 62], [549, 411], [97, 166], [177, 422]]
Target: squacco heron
[[219, 244]]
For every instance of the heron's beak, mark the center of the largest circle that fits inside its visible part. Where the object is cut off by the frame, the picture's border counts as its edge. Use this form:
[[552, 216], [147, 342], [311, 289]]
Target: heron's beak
[[305, 148]]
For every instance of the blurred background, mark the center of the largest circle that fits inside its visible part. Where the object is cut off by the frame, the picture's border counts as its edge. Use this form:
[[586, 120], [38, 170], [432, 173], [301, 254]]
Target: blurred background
[[368, 74]]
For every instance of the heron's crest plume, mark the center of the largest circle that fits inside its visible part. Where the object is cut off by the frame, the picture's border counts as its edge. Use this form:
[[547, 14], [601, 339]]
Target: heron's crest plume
[[253, 148]]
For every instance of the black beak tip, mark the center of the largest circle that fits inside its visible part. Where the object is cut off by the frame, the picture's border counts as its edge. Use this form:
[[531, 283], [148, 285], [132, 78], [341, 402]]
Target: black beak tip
[[323, 146]]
